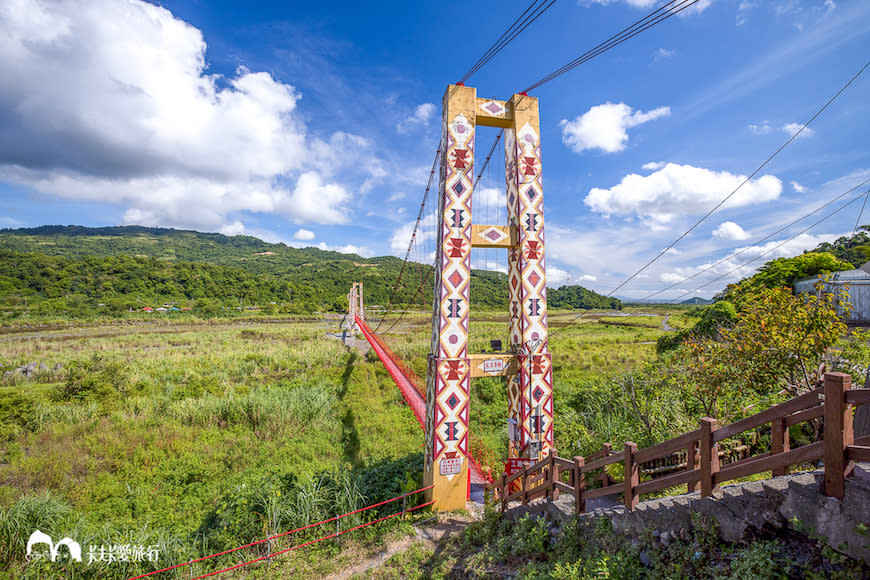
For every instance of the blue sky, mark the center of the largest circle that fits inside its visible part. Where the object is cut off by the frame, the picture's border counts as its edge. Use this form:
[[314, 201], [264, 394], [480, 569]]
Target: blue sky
[[316, 123]]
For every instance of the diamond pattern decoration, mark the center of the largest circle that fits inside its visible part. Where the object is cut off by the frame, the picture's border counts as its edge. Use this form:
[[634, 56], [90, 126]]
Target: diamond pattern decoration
[[452, 400], [458, 188], [534, 278], [538, 393], [494, 108], [455, 278], [493, 234]]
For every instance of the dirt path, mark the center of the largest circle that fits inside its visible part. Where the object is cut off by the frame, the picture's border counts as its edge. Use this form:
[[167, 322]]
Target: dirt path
[[665, 326], [434, 534]]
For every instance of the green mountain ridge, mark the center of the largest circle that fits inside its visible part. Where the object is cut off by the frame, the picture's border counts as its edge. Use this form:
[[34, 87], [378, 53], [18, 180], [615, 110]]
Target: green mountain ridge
[[134, 266]]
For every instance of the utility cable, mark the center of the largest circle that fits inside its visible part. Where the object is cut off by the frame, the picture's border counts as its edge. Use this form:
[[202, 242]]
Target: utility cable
[[744, 264], [761, 241], [744, 182]]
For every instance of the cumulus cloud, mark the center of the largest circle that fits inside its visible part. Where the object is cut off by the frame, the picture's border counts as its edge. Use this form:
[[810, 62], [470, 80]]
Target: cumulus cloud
[[557, 277], [419, 118], [664, 53], [605, 127], [679, 190], [744, 261], [653, 165], [112, 101], [730, 231], [798, 187], [303, 235], [425, 237]]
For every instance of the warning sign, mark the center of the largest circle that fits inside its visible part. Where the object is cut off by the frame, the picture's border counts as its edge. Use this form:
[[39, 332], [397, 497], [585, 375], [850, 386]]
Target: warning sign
[[451, 466], [493, 365], [515, 464]]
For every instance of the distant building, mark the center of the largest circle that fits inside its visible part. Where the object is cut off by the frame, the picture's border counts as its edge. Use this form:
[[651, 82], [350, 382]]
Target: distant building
[[856, 283]]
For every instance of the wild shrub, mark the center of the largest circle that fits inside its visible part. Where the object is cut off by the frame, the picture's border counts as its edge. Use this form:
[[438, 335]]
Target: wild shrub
[[94, 379]]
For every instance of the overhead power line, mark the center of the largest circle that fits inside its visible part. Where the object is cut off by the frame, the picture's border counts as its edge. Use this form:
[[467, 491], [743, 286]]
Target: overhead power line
[[655, 17], [761, 241], [776, 247], [745, 181]]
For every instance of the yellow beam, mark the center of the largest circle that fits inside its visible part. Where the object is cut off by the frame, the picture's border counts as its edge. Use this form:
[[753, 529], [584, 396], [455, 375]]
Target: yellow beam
[[492, 365], [483, 236], [494, 113]]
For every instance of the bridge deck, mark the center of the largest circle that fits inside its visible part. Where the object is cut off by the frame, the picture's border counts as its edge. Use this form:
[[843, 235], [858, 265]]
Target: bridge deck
[[410, 390]]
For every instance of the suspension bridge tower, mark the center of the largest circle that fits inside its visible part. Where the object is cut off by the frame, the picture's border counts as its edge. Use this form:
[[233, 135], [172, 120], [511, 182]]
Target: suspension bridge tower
[[527, 364]]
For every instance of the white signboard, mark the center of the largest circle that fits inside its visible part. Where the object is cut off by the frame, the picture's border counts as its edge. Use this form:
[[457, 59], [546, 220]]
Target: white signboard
[[493, 365], [451, 466]]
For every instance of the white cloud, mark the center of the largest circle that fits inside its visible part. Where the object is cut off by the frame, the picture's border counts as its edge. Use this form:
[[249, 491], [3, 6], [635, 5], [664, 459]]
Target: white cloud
[[743, 10], [402, 235], [664, 53], [588, 278], [557, 277], [789, 129], [678, 190], [792, 128], [112, 101], [653, 165], [830, 5], [419, 118], [605, 127], [694, 9], [730, 231], [744, 261], [396, 196], [361, 251], [303, 235], [798, 187]]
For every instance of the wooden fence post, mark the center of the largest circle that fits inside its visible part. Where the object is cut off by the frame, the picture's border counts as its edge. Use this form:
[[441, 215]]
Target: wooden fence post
[[524, 482], [709, 456], [579, 485], [504, 492], [693, 462], [780, 442], [632, 476], [554, 474], [838, 432]]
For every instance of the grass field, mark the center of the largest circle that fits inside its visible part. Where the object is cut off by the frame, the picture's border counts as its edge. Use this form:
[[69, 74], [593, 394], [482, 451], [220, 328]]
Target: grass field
[[189, 434]]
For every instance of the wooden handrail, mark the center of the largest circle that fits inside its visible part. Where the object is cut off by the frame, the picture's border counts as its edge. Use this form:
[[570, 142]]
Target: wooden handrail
[[800, 403], [833, 401]]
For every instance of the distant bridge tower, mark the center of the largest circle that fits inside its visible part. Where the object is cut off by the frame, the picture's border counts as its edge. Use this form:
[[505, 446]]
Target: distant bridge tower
[[527, 366], [355, 307]]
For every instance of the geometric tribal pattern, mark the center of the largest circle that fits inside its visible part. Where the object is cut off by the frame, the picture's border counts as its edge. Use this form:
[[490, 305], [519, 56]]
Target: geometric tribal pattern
[[449, 374], [528, 289]]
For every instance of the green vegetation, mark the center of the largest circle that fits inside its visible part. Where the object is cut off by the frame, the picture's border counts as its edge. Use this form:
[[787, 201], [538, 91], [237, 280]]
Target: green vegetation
[[784, 272], [197, 438], [72, 271], [578, 297], [588, 548], [198, 435]]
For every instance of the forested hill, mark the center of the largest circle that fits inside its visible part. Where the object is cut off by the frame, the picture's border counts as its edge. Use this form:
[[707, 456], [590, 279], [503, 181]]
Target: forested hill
[[134, 266]]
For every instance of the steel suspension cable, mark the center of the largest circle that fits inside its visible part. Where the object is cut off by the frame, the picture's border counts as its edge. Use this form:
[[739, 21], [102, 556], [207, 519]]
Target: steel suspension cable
[[413, 238], [522, 22], [655, 17]]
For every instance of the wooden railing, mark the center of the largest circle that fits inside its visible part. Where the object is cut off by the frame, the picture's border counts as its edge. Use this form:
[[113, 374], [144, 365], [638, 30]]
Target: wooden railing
[[834, 402]]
